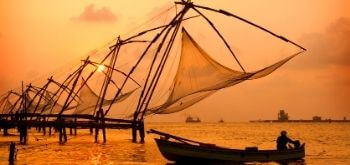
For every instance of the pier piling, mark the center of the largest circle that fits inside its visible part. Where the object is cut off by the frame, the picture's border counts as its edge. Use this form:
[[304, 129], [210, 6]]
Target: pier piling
[[12, 152]]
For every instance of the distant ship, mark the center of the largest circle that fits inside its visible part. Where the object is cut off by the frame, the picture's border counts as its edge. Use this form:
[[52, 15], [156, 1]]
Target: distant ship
[[190, 119], [283, 117], [221, 121]]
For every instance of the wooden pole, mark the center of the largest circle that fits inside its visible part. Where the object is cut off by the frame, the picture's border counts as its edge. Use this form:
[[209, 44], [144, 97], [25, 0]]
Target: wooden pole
[[42, 95], [70, 130], [107, 78], [59, 128], [12, 152], [97, 126], [133, 131], [175, 137], [75, 127], [25, 133], [19, 99], [5, 130], [142, 131], [142, 97], [140, 59], [50, 131], [68, 100], [65, 134], [60, 135], [60, 90], [103, 126], [160, 68], [44, 128]]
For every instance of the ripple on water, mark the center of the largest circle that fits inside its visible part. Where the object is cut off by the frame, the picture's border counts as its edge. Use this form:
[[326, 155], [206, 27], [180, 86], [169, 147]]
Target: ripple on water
[[324, 143]]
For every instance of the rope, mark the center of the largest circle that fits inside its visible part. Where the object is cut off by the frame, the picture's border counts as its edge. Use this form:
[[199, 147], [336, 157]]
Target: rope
[[160, 96], [148, 21]]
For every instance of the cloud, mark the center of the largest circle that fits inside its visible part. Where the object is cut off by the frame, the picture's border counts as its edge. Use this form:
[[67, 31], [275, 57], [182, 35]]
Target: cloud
[[90, 14], [327, 60], [329, 48]]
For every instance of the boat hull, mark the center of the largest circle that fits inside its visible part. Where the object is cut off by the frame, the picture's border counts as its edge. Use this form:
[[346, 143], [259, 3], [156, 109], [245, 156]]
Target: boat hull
[[176, 151]]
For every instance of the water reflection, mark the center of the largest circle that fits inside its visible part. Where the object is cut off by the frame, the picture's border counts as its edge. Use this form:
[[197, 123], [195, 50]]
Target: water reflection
[[139, 154], [119, 149]]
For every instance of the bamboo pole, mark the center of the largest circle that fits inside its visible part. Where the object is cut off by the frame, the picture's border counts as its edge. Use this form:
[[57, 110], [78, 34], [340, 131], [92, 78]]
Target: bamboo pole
[[60, 89], [108, 78], [161, 66], [140, 59], [67, 101], [117, 70], [103, 126], [142, 96], [96, 126], [75, 128], [43, 89]]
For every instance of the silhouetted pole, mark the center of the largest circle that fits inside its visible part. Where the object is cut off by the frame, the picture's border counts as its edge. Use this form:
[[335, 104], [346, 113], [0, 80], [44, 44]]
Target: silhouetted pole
[[60, 135], [133, 131], [22, 130], [75, 127], [103, 126], [12, 152], [70, 130], [44, 128], [6, 131], [142, 131], [64, 135], [97, 126], [59, 128]]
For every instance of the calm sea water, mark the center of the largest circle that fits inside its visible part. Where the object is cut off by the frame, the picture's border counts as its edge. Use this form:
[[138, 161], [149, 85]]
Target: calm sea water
[[326, 143]]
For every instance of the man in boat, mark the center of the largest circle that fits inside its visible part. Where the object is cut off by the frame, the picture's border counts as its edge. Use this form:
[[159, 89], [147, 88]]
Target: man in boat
[[283, 140]]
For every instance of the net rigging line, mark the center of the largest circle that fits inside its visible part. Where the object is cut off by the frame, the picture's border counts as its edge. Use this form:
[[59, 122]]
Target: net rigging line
[[148, 21], [160, 96], [221, 11]]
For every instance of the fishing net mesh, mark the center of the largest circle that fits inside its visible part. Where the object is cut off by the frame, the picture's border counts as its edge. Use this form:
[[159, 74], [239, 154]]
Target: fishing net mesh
[[199, 76], [88, 100]]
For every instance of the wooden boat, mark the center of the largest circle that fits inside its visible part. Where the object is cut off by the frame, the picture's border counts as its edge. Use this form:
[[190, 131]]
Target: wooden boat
[[184, 150]]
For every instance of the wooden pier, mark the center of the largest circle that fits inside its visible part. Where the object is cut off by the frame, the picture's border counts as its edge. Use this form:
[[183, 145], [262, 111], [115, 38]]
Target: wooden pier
[[60, 123]]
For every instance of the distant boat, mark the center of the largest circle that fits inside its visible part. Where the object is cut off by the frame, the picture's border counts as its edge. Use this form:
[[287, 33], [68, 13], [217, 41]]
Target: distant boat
[[191, 119], [221, 121], [179, 149]]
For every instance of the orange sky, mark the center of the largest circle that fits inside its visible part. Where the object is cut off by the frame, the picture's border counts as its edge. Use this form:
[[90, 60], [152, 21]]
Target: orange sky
[[38, 36]]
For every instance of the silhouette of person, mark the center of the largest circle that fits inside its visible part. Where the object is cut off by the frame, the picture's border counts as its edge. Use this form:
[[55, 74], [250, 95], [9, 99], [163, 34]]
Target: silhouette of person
[[282, 141]]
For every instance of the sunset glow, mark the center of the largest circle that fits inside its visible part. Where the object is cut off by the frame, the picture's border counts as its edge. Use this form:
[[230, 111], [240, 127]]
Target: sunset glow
[[316, 83], [100, 68], [175, 82]]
